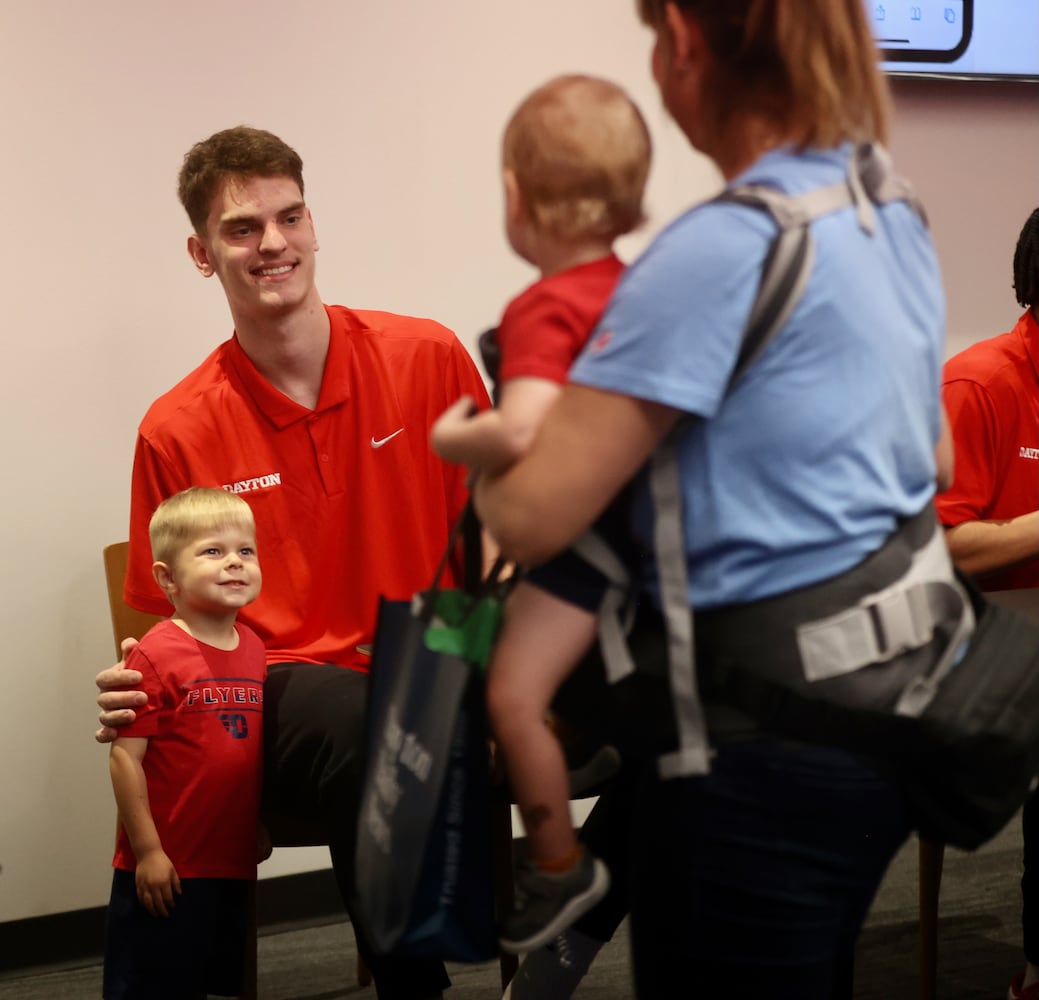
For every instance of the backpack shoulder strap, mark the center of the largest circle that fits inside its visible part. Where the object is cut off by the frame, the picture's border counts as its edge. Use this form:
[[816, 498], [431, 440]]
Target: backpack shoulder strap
[[870, 181]]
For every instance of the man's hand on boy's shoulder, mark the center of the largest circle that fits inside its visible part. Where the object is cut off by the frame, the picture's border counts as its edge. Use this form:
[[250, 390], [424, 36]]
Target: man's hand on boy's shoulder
[[117, 699]]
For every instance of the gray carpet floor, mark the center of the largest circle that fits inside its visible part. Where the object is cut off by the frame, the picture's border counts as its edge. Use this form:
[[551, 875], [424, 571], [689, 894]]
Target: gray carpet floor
[[978, 945]]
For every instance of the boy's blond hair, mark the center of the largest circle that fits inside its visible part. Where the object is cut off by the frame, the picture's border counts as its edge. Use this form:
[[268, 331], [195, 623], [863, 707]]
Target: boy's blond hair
[[580, 151], [194, 511]]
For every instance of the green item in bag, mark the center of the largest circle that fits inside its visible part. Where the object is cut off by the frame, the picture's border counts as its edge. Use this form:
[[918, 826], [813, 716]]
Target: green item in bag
[[465, 626]]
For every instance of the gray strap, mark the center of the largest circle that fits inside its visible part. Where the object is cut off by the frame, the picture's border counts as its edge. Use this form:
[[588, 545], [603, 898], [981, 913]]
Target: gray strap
[[874, 169], [788, 264], [865, 212], [616, 610], [919, 693], [871, 177], [594, 551], [782, 285], [693, 755], [889, 623], [901, 617], [791, 210], [614, 625]]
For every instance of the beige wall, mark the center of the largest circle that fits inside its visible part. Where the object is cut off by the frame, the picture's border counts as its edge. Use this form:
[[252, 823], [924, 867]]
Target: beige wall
[[972, 149], [396, 107]]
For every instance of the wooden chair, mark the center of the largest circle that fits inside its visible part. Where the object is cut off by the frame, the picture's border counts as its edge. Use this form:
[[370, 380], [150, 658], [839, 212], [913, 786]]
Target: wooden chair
[[285, 831]]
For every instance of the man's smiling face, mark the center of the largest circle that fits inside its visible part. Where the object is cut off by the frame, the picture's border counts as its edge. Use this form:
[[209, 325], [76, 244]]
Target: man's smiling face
[[260, 242]]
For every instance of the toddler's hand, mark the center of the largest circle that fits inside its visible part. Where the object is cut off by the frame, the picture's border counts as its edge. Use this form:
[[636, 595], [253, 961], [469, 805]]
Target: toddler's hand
[[157, 883], [449, 422]]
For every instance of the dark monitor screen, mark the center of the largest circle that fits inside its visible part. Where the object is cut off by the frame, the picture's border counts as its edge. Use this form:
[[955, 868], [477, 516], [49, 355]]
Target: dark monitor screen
[[970, 39]]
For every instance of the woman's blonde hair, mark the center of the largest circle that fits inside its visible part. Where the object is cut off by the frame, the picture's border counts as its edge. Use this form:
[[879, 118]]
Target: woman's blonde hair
[[580, 151], [192, 512], [807, 66]]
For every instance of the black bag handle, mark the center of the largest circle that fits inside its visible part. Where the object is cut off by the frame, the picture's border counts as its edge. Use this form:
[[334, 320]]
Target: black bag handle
[[467, 526]]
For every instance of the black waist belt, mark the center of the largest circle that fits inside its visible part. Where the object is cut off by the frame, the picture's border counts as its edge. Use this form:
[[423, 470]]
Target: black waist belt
[[855, 638]]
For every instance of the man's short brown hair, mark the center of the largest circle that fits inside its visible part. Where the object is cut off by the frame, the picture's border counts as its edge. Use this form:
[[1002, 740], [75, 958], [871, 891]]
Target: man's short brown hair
[[238, 152]]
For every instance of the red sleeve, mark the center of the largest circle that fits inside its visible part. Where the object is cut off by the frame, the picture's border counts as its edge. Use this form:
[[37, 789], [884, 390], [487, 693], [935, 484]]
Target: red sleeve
[[147, 722], [151, 483], [539, 336], [973, 422]]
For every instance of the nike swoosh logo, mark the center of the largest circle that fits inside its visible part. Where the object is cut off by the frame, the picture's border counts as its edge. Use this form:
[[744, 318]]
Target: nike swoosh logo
[[382, 441]]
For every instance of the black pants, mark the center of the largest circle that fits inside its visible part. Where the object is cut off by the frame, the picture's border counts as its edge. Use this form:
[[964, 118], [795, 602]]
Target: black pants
[[754, 880], [313, 726], [196, 951]]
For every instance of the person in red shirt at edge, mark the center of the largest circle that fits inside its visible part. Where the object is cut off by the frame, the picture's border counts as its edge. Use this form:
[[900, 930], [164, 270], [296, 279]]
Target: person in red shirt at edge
[[319, 417], [991, 394], [991, 511]]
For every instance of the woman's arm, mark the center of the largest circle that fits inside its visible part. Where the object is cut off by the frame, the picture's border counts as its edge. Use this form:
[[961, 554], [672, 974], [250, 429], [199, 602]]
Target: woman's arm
[[588, 447]]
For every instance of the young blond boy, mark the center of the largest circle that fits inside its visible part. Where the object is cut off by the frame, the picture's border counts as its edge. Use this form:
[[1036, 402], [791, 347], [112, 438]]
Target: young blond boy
[[576, 156], [187, 773]]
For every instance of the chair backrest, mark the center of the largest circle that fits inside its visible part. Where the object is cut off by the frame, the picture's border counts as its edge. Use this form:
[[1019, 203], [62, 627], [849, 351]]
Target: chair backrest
[[127, 622]]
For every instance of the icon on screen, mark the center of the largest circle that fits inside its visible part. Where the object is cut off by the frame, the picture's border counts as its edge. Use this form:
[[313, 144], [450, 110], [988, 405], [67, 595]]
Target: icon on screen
[[950, 16]]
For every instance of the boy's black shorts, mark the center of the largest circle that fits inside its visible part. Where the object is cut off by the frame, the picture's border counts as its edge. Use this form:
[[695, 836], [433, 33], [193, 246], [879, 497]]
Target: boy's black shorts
[[567, 575], [197, 950]]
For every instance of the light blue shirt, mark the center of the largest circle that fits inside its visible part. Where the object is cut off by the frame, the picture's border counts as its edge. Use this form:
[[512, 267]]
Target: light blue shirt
[[804, 469]]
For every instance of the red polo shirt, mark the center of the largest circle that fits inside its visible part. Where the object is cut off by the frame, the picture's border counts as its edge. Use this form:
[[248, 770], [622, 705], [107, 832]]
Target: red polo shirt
[[991, 393], [350, 500]]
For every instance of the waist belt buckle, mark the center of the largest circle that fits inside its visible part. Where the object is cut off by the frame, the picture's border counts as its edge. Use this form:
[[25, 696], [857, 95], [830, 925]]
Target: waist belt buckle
[[901, 620]]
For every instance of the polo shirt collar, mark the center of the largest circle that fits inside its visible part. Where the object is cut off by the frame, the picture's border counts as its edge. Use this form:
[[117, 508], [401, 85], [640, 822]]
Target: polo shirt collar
[[281, 411]]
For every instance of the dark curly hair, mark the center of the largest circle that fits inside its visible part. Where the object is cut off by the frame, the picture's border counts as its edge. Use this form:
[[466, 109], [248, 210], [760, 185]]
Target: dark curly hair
[[1026, 263]]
